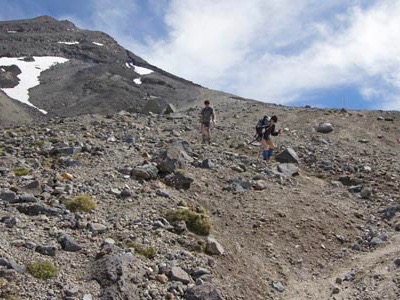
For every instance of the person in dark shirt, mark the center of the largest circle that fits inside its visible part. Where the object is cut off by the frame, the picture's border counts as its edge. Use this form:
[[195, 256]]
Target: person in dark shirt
[[267, 143], [207, 119]]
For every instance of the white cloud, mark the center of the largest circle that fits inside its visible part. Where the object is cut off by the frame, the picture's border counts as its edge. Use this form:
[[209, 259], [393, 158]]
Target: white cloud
[[264, 49], [281, 50]]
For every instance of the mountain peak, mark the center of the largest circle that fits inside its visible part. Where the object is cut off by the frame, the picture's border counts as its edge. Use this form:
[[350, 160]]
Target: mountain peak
[[100, 76]]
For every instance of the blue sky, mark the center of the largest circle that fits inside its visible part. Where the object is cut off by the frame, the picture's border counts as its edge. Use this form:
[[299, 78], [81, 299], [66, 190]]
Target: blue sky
[[342, 53]]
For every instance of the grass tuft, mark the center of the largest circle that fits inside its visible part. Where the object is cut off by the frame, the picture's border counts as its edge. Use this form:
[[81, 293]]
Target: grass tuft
[[149, 252], [197, 222], [42, 269], [83, 203], [21, 171]]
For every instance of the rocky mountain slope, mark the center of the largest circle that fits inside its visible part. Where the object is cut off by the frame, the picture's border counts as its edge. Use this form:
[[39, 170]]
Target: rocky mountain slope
[[175, 219], [99, 77]]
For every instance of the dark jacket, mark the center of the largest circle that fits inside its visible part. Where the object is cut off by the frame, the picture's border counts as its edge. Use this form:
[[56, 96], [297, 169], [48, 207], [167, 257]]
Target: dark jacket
[[270, 130]]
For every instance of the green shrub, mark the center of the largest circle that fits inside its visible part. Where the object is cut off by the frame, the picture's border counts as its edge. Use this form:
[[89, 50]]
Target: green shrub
[[1, 151], [81, 203], [42, 269], [149, 252], [21, 171], [197, 222], [3, 282]]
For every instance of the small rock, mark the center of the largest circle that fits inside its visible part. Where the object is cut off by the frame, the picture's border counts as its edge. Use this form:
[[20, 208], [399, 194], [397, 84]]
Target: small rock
[[325, 128], [69, 244], [49, 250], [278, 286]]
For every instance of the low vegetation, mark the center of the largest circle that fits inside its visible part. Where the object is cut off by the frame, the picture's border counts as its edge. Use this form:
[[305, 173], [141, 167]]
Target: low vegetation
[[42, 269], [21, 171], [149, 252], [83, 203], [196, 221]]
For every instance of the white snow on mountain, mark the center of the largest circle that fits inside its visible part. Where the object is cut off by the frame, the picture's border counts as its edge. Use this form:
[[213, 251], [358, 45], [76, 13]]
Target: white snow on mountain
[[143, 71], [140, 70], [69, 43], [29, 77]]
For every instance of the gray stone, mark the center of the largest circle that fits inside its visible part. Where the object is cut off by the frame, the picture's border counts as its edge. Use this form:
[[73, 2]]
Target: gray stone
[[178, 181], [214, 247], [37, 209], [175, 157], [325, 128], [287, 156], [8, 196], [49, 250], [288, 169], [207, 164], [365, 193], [278, 286], [260, 185], [146, 172], [119, 274], [199, 271], [178, 274], [97, 228], [205, 291], [375, 241], [69, 244], [27, 198], [10, 221], [163, 193]]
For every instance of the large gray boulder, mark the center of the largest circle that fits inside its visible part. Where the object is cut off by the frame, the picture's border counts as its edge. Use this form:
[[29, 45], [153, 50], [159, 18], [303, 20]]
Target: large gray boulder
[[118, 274], [287, 156], [175, 157]]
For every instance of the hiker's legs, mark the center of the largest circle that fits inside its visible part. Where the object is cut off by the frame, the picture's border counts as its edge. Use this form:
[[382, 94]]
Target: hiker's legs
[[267, 146], [205, 133]]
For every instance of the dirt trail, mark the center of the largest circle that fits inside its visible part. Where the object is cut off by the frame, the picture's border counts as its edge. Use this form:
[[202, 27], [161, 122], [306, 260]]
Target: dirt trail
[[365, 266]]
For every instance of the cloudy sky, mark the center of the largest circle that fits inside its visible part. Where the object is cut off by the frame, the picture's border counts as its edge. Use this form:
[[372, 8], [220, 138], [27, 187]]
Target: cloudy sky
[[340, 53]]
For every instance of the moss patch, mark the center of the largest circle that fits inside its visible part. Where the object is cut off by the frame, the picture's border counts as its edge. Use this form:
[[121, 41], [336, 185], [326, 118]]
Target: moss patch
[[81, 203], [43, 269], [21, 171], [197, 222], [149, 252]]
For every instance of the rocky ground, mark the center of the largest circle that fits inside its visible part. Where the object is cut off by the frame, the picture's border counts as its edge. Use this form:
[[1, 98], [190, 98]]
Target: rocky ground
[[318, 221]]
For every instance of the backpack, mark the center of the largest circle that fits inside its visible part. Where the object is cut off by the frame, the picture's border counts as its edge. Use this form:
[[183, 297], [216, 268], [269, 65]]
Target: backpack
[[262, 124]]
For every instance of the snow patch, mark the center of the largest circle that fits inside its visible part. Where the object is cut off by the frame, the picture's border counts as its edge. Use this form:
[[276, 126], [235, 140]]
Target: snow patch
[[140, 70], [11, 31], [29, 77], [69, 43], [137, 81], [98, 44]]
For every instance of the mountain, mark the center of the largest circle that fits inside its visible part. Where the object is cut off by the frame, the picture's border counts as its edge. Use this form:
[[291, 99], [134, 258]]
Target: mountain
[[99, 76], [120, 204]]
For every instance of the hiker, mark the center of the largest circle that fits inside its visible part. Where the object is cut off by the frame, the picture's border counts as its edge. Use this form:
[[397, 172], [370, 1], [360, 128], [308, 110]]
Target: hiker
[[267, 143], [207, 117]]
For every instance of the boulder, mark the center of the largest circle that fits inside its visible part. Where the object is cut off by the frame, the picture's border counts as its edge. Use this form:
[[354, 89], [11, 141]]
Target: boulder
[[287, 156], [325, 127]]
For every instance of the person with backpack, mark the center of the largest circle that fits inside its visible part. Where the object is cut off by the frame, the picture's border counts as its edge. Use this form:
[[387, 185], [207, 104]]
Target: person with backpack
[[207, 118], [264, 130]]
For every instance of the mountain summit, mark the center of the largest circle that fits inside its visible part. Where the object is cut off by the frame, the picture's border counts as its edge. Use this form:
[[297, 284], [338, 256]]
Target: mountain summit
[[97, 75]]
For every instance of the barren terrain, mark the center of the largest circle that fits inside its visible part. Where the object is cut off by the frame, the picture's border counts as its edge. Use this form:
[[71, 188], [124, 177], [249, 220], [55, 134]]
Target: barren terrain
[[327, 232]]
